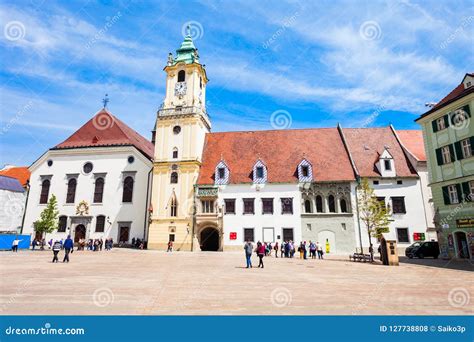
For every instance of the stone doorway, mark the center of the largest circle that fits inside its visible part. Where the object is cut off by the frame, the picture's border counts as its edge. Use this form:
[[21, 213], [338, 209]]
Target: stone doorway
[[209, 239]]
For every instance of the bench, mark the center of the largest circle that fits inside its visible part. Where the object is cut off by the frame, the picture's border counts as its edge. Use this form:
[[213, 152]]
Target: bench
[[360, 257]]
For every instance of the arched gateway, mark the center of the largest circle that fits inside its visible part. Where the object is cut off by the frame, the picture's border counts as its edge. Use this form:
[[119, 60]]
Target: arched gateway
[[209, 239]]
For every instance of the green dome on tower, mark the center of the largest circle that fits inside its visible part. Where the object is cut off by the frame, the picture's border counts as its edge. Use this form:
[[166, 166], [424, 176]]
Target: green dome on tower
[[186, 53]]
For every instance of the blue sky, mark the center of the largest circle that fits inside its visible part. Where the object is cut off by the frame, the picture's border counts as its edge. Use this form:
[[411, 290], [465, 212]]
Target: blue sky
[[360, 63]]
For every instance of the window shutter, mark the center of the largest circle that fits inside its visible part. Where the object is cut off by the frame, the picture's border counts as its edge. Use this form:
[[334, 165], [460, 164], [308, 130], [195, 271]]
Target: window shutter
[[434, 124], [439, 156], [457, 146], [466, 192], [446, 120], [446, 195], [451, 152], [459, 191]]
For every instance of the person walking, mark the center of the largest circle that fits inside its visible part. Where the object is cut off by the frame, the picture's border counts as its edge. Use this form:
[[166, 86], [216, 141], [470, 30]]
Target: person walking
[[68, 248], [170, 246], [276, 249], [320, 250], [248, 253], [15, 244], [312, 250], [260, 253], [56, 248]]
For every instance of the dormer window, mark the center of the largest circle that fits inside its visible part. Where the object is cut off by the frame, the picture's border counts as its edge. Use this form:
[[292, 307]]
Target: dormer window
[[259, 172], [221, 173], [305, 171], [387, 165]]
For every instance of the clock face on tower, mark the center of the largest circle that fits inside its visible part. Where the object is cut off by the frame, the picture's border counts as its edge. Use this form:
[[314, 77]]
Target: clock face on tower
[[180, 89]]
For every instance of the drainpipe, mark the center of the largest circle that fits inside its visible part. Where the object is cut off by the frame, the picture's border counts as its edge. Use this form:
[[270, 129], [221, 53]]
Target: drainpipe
[[26, 205], [358, 216], [147, 205]]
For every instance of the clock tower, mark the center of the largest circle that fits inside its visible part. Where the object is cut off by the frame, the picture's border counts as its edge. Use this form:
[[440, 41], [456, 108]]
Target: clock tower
[[181, 125]]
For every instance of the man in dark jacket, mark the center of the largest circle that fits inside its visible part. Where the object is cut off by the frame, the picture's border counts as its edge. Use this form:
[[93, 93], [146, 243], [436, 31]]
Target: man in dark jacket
[[68, 247]]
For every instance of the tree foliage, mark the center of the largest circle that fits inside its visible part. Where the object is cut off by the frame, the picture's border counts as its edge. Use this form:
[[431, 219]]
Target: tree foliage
[[48, 221]]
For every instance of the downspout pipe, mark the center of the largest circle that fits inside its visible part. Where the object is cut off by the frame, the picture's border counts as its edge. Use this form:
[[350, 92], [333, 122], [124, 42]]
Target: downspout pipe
[[147, 206]]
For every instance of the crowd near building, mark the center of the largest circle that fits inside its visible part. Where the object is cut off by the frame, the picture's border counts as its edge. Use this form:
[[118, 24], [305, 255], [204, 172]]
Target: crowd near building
[[214, 191]]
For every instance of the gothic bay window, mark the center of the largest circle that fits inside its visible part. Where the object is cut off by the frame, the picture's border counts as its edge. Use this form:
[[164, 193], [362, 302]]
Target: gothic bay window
[[267, 206], [287, 205], [229, 206], [99, 190], [249, 206], [331, 204], [71, 190], [319, 204], [343, 205], [174, 207], [100, 224], [62, 224], [127, 194], [207, 206], [174, 178], [398, 205], [45, 185]]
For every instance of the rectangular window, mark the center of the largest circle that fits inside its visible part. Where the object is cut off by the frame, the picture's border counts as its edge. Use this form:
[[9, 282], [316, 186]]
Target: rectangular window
[[100, 224], [402, 235], [249, 234], [249, 207], [287, 205], [207, 206], [387, 165], [221, 173], [308, 226], [305, 171], [267, 206], [229, 206], [288, 234], [259, 172], [466, 148], [446, 153], [398, 205], [399, 182], [440, 123], [268, 234], [375, 182], [171, 237], [453, 194]]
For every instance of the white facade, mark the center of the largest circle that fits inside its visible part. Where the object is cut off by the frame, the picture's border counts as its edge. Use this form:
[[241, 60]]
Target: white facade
[[113, 164], [410, 191], [267, 227]]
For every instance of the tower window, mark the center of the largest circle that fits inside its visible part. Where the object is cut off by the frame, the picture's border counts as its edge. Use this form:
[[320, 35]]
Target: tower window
[[174, 207], [181, 76], [200, 82], [175, 153], [174, 178], [176, 129]]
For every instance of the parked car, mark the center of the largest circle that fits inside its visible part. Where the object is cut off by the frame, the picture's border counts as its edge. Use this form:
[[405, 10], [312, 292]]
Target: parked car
[[423, 249]]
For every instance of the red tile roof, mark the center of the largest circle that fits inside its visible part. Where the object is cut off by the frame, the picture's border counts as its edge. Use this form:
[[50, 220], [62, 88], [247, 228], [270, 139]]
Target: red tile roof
[[367, 144], [455, 94], [104, 129], [413, 142], [19, 172], [281, 151]]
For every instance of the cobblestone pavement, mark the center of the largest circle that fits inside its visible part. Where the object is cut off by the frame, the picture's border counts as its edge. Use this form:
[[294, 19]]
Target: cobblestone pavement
[[182, 283]]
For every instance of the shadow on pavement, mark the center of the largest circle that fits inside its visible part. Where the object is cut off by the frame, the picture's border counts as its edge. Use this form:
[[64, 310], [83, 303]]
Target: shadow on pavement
[[453, 264]]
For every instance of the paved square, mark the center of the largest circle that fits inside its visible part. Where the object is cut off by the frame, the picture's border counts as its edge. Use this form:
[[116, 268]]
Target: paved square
[[182, 283]]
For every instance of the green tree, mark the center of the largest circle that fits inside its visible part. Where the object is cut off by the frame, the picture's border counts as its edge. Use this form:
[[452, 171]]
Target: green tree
[[48, 221], [373, 213]]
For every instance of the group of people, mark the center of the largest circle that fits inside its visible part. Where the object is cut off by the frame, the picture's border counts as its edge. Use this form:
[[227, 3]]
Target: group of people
[[138, 243], [287, 249], [67, 245]]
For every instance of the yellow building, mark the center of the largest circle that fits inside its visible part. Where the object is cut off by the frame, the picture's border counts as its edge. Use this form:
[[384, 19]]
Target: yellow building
[[181, 126]]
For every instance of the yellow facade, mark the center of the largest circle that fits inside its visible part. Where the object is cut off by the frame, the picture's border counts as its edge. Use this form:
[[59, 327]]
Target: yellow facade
[[180, 131]]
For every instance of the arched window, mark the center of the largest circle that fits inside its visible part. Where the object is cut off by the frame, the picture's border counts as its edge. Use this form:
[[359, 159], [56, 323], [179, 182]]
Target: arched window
[[175, 153], [45, 191], [331, 204], [100, 224], [319, 204], [174, 207], [343, 204], [127, 189], [62, 224], [99, 190], [181, 76], [71, 190], [174, 178], [307, 206]]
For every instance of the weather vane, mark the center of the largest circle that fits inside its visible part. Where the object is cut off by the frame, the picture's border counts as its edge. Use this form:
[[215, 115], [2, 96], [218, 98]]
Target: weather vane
[[188, 30], [105, 100]]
